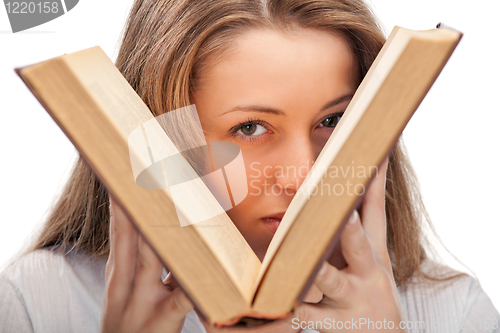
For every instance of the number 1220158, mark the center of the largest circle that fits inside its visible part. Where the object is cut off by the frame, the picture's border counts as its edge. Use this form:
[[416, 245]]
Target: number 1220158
[[32, 7]]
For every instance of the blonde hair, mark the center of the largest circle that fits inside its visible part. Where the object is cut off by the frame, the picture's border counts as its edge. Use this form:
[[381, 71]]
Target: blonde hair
[[167, 44]]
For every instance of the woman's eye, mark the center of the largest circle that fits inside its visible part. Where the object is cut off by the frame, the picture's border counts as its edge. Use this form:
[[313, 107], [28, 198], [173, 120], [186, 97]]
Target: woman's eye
[[332, 120], [252, 129]]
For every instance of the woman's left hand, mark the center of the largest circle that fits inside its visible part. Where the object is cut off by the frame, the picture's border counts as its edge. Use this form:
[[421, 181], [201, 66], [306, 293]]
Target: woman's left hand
[[361, 296]]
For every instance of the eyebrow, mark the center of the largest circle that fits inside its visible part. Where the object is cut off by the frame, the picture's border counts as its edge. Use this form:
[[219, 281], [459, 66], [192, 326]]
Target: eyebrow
[[264, 109]]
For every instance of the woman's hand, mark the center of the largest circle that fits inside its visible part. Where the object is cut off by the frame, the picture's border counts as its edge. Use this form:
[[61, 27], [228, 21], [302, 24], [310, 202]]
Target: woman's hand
[[362, 296], [135, 298]]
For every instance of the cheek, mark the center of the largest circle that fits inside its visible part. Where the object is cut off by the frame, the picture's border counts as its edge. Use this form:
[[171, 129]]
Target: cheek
[[245, 185], [256, 177], [259, 175]]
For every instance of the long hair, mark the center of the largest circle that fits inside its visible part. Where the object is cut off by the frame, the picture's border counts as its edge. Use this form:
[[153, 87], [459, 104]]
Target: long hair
[[166, 45]]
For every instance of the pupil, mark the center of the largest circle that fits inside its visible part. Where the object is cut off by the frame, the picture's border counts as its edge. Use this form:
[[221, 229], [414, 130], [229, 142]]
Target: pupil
[[330, 121], [248, 129]]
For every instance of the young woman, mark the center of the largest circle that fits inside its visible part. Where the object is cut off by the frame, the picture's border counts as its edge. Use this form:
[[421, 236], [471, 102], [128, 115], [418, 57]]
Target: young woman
[[274, 77]]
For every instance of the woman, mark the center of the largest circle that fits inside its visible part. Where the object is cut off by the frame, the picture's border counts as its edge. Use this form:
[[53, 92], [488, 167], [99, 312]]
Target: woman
[[260, 74]]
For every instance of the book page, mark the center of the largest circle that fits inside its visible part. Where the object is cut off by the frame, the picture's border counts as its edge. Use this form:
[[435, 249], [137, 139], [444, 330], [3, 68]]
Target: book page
[[361, 99]]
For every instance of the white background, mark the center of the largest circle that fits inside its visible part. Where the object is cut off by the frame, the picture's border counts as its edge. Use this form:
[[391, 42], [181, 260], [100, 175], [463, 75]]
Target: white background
[[453, 139]]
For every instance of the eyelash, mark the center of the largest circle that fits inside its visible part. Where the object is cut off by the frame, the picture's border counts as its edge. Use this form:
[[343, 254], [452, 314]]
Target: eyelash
[[249, 121], [255, 121]]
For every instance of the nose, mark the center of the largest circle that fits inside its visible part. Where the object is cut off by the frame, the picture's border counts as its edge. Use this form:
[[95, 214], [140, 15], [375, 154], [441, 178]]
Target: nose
[[296, 159]]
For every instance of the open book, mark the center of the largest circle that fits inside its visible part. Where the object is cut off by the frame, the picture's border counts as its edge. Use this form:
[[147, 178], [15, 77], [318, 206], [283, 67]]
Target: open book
[[98, 110]]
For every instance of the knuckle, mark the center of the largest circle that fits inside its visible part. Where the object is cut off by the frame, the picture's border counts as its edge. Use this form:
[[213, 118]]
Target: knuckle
[[145, 265], [301, 312], [143, 276], [179, 304], [337, 286], [362, 247]]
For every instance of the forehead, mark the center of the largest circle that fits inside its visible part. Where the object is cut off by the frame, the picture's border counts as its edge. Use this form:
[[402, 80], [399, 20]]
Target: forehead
[[271, 66]]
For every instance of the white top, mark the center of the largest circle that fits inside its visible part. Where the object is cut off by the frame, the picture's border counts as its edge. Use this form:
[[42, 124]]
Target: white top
[[51, 293]]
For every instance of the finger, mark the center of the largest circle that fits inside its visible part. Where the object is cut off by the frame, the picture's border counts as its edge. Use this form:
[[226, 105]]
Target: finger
[[307, 312], [333, 284], [167, 315], [356, 248], [373, 211], [148, 287], [175, 307], [123, 254], [148, 262]]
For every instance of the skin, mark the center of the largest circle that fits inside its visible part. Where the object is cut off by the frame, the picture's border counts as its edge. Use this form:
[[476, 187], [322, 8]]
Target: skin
[[297, 74]]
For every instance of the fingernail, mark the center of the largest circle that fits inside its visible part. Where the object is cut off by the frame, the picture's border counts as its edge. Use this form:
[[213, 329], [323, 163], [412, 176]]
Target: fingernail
[[322, 270], [353, 218]]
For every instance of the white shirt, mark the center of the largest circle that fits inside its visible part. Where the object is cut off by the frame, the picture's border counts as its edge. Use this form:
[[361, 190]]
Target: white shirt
[[45, 292]]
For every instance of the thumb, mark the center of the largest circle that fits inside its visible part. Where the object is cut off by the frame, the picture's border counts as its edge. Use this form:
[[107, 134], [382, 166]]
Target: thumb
[[177, 303], [172, 311]]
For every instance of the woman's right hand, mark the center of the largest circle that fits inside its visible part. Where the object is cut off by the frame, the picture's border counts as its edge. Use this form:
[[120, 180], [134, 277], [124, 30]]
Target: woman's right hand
[[135, 297]]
